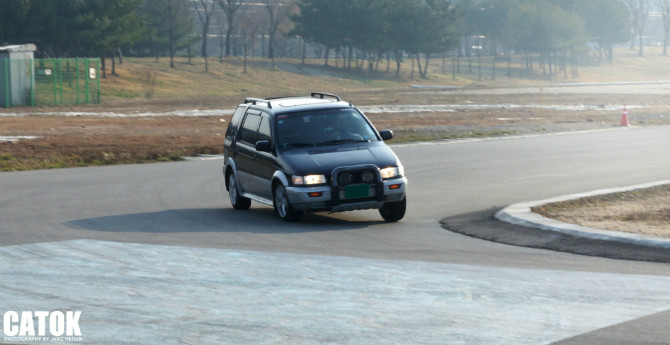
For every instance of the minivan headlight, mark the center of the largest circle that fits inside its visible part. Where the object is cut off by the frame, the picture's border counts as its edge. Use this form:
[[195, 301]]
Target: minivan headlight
[[391, 172], [309, 179]]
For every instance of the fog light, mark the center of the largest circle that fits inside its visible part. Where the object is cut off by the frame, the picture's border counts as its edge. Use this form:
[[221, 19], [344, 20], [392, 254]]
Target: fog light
[[367, 176], [315, 194], [345, 178]]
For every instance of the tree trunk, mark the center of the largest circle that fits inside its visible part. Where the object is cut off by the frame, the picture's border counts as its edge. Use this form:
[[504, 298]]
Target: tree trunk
[[509, 65], [245, 57], [172, 43], [479, 67], [113, 64], [229, 34], [102, 65], [398, 61], [304, 50], [493, 67], [453, 67], [425, 67]]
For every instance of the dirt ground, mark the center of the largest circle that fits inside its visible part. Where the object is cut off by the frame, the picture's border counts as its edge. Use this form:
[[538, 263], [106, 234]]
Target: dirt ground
[[119, 134], [67, 139]]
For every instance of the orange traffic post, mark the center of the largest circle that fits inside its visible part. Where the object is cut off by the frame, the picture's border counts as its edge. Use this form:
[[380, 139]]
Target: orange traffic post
[[624, 117]]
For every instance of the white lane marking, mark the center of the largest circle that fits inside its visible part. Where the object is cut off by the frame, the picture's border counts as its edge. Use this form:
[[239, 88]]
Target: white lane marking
[[153, 294], [505, 137]]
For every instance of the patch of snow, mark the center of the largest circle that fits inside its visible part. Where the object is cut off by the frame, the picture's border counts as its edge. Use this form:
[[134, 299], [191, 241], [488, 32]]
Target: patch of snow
[[372, 109], [13, 139]]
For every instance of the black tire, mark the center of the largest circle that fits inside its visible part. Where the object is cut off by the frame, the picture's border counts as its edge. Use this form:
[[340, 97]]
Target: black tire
[[283, 206], [238, 201], [394, 211]]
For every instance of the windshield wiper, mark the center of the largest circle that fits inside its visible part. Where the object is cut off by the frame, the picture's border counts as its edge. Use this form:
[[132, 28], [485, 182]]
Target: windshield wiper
[[298, 144], [342, 141]]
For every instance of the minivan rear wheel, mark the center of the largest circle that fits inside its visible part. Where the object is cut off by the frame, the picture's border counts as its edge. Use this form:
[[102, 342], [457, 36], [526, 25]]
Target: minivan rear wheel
[[236, 199]]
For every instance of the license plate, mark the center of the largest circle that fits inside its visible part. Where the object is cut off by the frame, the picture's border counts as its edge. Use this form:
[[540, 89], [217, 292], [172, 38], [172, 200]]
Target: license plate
[[357, 191]]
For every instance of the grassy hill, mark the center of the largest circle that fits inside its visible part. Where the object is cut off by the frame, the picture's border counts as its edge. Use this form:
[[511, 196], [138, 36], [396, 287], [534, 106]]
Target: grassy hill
[[149, 80]]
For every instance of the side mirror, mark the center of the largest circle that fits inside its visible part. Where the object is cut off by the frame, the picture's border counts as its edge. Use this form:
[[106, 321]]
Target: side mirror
[[386, 134], [263, 146]]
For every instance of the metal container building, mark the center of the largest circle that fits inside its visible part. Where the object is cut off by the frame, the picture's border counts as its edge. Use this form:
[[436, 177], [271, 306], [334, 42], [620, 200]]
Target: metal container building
[[17, 79]]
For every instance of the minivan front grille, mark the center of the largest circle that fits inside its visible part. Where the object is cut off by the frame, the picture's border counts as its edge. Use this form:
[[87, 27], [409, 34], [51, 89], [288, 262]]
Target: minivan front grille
[[367, 176]]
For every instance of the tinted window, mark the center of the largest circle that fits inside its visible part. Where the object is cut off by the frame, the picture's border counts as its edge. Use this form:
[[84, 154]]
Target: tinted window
[[323, 127], [235, 122], [250, 128], [264, 132]]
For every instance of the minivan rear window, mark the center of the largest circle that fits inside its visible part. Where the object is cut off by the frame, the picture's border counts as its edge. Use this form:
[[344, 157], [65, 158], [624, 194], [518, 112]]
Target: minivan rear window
[[235, 122]]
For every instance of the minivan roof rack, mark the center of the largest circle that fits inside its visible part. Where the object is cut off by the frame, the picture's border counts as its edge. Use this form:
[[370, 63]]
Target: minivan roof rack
[[254, 101], [323, 95]]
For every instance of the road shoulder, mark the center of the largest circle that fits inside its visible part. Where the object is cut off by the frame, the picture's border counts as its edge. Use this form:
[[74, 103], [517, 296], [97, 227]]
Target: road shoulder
[[484, 225]]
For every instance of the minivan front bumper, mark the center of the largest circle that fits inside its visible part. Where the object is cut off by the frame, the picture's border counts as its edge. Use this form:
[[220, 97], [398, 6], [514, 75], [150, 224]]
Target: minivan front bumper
[[338, 198]]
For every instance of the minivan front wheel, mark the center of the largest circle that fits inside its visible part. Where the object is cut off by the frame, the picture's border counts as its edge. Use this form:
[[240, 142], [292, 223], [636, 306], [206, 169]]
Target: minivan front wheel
[[283, 206], [236, 199], [394, 211]]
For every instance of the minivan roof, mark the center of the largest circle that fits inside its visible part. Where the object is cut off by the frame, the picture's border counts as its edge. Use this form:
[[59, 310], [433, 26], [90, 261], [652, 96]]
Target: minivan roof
[[283, 105]]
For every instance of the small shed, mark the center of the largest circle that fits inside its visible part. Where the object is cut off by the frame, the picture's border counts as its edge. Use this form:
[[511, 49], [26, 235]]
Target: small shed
[[17, 79]]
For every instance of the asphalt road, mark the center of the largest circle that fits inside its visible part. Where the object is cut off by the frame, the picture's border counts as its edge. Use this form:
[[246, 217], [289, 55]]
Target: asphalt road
[[155, 254]]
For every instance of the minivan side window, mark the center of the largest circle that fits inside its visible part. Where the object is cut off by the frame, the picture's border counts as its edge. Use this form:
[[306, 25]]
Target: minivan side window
[[250, 128]]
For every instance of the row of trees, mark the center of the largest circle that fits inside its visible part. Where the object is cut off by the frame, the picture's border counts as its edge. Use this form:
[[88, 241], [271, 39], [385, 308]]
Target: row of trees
[[362, 32], [559, 31], [377, 28]]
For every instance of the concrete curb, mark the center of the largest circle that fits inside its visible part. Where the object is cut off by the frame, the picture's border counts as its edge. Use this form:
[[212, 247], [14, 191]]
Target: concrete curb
[[520, 214]]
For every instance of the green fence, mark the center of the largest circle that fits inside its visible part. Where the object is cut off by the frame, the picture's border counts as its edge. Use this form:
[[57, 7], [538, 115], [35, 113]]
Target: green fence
[[49, 81]]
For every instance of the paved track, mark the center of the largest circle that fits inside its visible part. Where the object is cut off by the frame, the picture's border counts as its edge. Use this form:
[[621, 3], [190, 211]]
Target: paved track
[[196, 267]]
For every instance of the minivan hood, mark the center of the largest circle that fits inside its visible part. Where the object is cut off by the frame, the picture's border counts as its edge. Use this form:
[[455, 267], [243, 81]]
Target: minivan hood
[[324, 160]]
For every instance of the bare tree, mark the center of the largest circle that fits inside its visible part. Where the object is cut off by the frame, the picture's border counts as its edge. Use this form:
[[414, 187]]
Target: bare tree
[[172, 21], [220, 25], [664, 8], [640, 11], [230, 8], [278, 11], [249, 30], [204, 9]]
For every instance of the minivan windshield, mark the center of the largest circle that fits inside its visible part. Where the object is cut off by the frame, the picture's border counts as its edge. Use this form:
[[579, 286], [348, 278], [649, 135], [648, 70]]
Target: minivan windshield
[[323, 127]]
